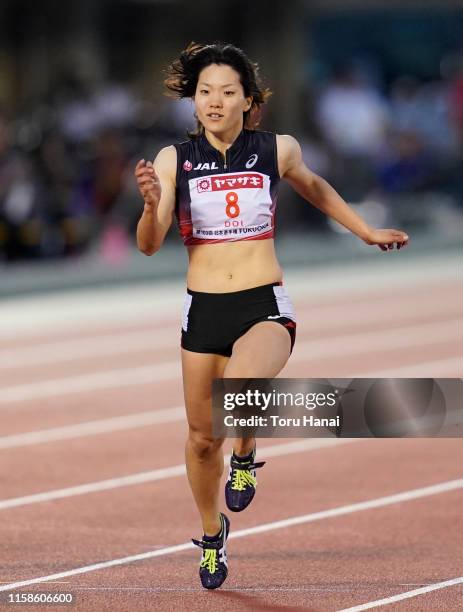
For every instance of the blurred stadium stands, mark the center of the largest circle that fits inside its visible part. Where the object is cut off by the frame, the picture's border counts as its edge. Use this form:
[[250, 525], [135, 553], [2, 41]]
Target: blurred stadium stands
[[375, 96]]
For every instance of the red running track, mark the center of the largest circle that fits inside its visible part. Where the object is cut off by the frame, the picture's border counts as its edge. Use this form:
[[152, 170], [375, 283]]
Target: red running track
[[321, 562]]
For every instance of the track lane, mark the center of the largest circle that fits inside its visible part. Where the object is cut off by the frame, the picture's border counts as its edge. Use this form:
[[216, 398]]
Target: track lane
[[70, 524], [312, 481], [305, 560]]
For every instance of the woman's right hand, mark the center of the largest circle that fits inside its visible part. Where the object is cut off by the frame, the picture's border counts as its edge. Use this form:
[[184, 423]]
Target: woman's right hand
[[148, 184]]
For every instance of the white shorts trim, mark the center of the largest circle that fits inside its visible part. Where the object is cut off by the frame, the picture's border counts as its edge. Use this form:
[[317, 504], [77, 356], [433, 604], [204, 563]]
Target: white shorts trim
[[186, 311], [284, 304]]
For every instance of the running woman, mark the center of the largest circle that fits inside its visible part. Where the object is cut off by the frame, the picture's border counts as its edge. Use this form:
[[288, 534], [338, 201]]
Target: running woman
[[238, 321]]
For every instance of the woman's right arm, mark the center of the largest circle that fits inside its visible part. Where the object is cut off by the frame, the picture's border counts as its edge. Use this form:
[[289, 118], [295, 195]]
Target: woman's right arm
[[156, 183]]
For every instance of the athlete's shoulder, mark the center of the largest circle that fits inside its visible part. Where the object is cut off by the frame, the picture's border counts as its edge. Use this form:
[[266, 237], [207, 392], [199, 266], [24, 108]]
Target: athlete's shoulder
[[166, 161], [289, 153], [167, 154], [288, 143], [288, 147]]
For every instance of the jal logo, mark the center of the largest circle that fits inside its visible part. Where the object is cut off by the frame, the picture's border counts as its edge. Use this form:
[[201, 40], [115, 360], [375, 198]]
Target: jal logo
[[187, 165], [206, 166], [251, 161]]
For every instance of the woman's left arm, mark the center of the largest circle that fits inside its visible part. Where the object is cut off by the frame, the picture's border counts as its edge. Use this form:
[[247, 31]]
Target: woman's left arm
[[319, 192]]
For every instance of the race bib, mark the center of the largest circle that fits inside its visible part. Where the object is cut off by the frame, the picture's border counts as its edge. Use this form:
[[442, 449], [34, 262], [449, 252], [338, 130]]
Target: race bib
[[230, 206]]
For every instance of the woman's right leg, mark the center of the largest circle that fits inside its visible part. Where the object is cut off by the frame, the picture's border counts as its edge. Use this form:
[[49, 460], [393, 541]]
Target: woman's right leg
[[203, 454]]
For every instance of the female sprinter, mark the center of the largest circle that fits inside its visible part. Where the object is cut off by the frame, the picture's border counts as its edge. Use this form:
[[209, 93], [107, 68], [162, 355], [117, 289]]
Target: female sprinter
[[238, 321]]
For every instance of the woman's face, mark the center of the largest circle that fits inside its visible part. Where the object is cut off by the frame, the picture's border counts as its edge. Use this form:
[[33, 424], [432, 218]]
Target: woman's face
[[219, 99]]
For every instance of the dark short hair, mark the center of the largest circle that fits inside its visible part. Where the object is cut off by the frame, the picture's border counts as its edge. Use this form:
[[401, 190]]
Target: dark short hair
[[183, 73]]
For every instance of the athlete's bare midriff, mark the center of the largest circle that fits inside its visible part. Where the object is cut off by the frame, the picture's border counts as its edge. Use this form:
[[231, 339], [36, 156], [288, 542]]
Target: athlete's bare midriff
[[232, 266]]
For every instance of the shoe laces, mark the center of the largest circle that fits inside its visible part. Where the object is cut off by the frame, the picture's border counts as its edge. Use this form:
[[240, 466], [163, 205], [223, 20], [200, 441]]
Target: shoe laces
[[241, 479], [209, 560], [241, 474]]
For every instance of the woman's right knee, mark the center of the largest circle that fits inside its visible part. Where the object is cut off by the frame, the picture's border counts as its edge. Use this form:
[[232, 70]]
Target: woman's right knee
[[203, 444]]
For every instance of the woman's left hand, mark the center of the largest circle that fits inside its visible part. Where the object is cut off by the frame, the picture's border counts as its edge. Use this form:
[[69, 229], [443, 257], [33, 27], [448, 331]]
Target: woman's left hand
[[386, 238]]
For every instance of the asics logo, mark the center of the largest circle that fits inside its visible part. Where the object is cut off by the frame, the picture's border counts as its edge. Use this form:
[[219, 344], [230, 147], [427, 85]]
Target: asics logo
[[251, 161], [274, 317]]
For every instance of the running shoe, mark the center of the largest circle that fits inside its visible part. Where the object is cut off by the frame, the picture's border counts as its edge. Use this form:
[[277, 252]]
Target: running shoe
[[242, 482], [213, 568]]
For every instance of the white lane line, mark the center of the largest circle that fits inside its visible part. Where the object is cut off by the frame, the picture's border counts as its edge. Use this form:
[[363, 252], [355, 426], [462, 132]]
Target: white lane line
[[121, 343], [439, 368], [71, 350], [47, 352], [163, 473], [110, 379], [93, 428], [351, 344], [390, 338], [388, 500], [407, 595], [70, 311]]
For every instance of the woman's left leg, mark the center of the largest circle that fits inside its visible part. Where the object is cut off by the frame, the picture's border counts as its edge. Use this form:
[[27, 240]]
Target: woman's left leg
[[262, 352]]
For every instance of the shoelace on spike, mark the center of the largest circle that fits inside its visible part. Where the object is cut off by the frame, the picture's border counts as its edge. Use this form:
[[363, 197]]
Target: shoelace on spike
[[209, 560], [241, 475], [210, 549]]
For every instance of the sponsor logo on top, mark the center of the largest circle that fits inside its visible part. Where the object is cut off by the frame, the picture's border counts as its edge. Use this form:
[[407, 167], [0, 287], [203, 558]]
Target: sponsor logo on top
[[187, 165], [224, 182], [206, 166], [203, 185], [251, 161]]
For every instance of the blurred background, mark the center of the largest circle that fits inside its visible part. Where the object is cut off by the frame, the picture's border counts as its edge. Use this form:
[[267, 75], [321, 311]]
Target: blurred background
[[373, 91]]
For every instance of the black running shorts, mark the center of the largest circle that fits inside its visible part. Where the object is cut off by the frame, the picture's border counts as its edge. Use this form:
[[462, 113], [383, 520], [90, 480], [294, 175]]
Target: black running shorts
[[212, 322]]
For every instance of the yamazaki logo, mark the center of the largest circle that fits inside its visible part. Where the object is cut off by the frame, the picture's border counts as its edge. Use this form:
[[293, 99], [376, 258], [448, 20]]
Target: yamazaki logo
[[230, 181]]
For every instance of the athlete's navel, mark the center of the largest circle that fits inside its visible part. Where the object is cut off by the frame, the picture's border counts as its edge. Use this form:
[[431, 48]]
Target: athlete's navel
[[230, 276]]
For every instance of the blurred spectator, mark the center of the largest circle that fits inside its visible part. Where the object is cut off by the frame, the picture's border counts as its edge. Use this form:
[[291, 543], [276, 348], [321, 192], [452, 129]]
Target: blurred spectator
[[20, 222], [77, 114], [425, 110], [109, 165], [352, 115], [85, 109], [115, 106], [456, 99], [353, 118], [111, 170], [408, 167], [56, 170]]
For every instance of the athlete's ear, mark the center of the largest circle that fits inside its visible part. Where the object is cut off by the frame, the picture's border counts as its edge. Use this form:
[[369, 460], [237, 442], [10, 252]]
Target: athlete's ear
[[248, 103]]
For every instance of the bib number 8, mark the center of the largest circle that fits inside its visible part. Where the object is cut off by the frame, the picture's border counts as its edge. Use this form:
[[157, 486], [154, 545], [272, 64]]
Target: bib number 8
[[232, 209]]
